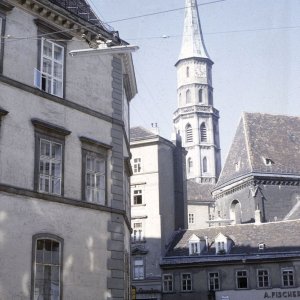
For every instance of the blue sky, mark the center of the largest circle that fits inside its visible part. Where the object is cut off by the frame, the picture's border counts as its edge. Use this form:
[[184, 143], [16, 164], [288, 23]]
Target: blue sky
[[254, 44]]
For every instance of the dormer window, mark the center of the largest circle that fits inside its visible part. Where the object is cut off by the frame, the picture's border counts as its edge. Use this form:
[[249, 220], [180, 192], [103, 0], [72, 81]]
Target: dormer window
[[194, 245], [222, 244]]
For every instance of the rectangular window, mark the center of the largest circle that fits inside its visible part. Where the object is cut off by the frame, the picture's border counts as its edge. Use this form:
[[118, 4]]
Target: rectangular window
[[137, 165], [186, 282], [191, 218], [288, 279], [242, 279], [137, 234], [194, 247], [168, 283], [51, 75], [50, 167], [263, 280], [213, 281], [138, 268], [137, 197], [47, 268], [95, 178]]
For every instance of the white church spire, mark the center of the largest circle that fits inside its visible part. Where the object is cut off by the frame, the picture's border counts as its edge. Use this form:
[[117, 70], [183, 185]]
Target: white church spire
[[196, 119], [192, 40]]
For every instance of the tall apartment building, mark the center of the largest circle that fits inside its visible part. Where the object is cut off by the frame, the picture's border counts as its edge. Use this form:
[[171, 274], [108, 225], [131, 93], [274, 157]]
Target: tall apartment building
[[158, 205], [64, 154]]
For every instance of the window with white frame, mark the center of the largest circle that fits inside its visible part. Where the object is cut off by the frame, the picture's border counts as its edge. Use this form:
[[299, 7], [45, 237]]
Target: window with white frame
[[137, 233], [194, 248], [242, 279], [213, 281], [137, 197], [288, 277], [167, 283], [47, 267], [186, 282], [221, 247], [191, 219], [52, 65], [138, 268], [263, 279], [49, 157], [137, 165], [95, 178], [50, 166], [94, 170]]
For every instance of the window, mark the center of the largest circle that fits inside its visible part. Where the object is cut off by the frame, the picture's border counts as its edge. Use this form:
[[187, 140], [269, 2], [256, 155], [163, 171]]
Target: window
[[194, 248], [187, 71], [210, 98], [95, 178], [242, 279], [94, 170], [137, 233], [191, 218], [213, 281], [263, 280], [203, 133], [190, 165], [49, 155], [188, 96], [188, 133], [47, 267], [186, 282], [200, 96], [137, 165], [51, 75], [180, 101], [167, 283], [137, 197], [221, 248], [138, 268], [204, 165], [288, 279]]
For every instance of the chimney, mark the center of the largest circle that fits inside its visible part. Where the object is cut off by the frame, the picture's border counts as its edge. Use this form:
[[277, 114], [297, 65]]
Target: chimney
[[154, 128]]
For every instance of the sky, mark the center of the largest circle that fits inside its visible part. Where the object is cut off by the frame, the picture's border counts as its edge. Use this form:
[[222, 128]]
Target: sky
[[255, 46]]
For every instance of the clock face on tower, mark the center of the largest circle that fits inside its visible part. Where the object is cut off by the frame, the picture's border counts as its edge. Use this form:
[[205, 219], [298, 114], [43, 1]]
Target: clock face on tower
[[200, 70]]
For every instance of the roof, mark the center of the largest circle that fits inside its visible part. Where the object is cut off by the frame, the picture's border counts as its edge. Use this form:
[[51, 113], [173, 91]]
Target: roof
[[199, 192], [82, 9], [276, 236], [261, 137], [192, 41], [140, 133]]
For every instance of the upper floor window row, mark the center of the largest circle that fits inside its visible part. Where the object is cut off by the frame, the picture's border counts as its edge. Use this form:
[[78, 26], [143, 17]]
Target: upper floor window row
[[137, 165], [49, 163]]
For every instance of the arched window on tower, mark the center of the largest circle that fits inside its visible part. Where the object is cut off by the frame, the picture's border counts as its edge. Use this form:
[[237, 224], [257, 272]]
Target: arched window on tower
[[190, 165], [203, 133], [188, 96], [204, 165], [188, 133], [210, 98], [200, 96], [179, 99], [187, 71], [236, 212]]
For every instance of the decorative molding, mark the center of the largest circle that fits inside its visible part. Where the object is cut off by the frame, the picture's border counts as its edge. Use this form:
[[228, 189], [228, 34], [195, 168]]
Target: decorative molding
[[93, 142], [45, 126]]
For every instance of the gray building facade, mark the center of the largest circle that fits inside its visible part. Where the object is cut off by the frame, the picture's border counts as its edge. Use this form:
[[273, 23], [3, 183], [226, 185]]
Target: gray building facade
[[64, 155]]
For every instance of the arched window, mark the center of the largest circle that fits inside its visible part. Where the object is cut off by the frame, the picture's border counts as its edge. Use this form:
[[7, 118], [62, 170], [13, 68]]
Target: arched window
[[204, 165], [188, 133], [179, 99], [47, 266], [203, 133], [210, 98], [187, 71], [190, 165], [236, 212], [200, 96], [188, 96]]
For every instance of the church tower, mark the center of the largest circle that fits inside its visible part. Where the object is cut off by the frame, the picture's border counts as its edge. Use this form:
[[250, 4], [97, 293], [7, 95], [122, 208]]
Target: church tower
[[196, 119]]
